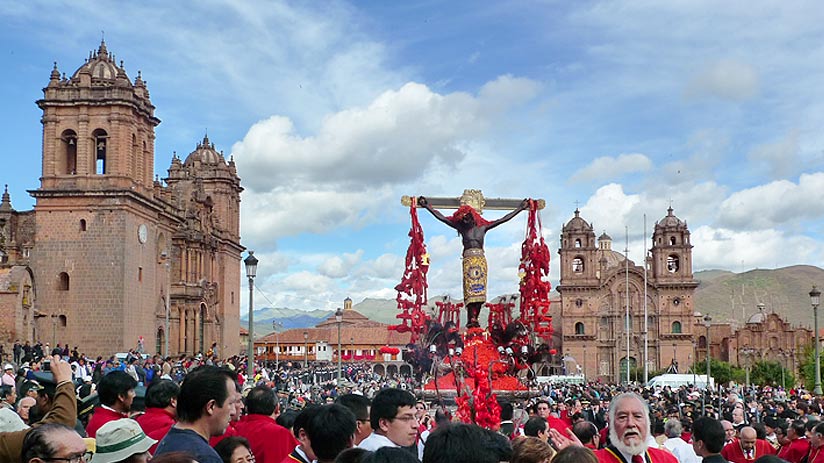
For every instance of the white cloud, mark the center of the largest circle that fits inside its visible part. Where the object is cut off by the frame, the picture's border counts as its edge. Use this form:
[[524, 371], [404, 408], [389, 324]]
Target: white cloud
[[722, 248], [607, 167], [779, 158], [777, 203], [340, 266], [724, 79]]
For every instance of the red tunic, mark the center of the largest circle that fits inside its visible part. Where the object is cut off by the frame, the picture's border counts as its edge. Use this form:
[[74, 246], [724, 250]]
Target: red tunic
[[294, 457], [270, 442], [230, 431], [557, 424], [156, 423], [795, 450], [653, 455], [816, 455], [735, 454], [100, 417]]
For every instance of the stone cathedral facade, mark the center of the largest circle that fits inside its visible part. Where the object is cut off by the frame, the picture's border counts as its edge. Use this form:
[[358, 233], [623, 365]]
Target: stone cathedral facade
[[110, 252], [596, 284]]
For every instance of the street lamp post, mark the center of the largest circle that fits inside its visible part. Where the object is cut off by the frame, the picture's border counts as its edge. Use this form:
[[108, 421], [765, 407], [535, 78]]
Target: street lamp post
[[338, 319], [707, 322], [251, 270], [306, 350], [276, 325], [747, 352], [815, 299]]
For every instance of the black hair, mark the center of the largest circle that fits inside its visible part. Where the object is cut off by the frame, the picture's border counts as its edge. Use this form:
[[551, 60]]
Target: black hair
[[334, 427], [201, 385], [355, 455], [113, 385], [534, 425], [226, 447], [303, 418], [287, 418], [711, 432], [390, 455], [462, 443], [385, 404], [506, 411], [358, 404], [160, 393], [585, 431], [798, 426], [5, 391], [41, 442], [261, 401]]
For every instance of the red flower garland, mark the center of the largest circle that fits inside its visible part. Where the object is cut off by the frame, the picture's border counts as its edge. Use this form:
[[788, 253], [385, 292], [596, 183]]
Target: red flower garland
[[534, 272], [412, 288]]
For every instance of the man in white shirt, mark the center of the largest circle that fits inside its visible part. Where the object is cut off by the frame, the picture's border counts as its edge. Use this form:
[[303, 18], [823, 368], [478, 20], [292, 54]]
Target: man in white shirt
[[682, 450], [393, 419]]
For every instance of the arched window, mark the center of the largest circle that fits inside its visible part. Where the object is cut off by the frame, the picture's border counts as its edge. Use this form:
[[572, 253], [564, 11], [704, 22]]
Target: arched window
[[63, 281], [578, 265], [82, 224], [676, 327], [577, 243], [159, 341], [69, 139], [673, 263], [61, 320], [579, 328], [702, 342], [100, 137], [672, 241]]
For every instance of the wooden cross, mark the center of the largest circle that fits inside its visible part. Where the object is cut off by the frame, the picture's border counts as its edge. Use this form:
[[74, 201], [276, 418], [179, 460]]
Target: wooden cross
[[473, 198]]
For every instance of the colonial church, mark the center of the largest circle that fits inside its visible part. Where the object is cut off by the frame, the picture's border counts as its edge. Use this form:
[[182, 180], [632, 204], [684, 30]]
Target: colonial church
[[599, 285], [112, 254]]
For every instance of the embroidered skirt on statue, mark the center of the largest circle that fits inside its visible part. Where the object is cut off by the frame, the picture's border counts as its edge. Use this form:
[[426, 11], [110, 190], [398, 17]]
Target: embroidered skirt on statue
[[474, 275]]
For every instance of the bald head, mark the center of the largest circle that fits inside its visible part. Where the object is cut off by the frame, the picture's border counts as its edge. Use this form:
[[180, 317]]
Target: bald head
[[747, 437]]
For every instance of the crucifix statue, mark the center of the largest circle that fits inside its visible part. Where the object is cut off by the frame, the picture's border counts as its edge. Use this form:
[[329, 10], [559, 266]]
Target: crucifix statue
[[472, 227]]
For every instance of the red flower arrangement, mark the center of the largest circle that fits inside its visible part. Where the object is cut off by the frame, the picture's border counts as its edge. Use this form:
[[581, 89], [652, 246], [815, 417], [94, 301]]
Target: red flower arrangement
[[390, 350]]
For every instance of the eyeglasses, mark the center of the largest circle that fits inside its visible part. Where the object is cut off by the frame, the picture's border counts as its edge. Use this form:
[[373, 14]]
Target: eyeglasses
[[406, 418], [81, 458]]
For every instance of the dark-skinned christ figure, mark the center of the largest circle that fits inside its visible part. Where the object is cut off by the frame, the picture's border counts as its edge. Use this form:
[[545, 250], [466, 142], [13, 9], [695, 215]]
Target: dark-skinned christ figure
[[472, 227]]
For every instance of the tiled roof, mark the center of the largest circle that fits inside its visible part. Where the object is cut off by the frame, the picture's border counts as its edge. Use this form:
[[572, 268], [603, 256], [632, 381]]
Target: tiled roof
[[362, 335]]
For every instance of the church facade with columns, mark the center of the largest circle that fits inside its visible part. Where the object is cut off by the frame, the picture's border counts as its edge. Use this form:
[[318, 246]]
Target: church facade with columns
[[599, 287], [111, 253]]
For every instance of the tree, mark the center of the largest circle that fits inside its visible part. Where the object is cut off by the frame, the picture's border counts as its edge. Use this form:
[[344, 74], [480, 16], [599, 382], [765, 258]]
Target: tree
[[807, 366], [770, 372], [722, 372]]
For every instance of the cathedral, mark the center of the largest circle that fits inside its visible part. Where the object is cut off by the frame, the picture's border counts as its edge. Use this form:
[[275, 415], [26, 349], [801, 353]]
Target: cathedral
[[112, 257], [600, 286]]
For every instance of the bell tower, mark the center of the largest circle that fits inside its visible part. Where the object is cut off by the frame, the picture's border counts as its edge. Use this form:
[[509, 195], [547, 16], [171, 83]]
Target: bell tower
[[578, 253], [671, 250], [98, 128]]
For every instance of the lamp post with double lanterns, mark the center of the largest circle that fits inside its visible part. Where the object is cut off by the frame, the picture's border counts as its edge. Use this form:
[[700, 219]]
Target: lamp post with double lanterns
[[306, 352], [339, 319], [276, 326], [748, 353], [251, 270], [815, 299], [707, 323]]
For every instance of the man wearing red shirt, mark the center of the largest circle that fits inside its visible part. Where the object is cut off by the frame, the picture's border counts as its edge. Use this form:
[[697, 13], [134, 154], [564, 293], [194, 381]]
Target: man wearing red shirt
[[816, 444], [161, 410], [799, 446], [116, 392], [747, 447], [270, 442], [629, 434]]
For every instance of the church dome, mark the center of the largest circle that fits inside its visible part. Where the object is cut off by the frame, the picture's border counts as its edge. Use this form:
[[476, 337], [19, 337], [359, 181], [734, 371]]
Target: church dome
[[205, 153], [670, 220], [577, 223], [604, 237], [100, 66], [757, 318]]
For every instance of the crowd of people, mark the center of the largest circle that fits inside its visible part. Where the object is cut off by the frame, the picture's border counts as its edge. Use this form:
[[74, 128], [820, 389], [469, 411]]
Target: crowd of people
[[135, 407]]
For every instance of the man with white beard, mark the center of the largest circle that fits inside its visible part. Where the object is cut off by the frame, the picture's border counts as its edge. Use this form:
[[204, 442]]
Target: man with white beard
[[629, 429]]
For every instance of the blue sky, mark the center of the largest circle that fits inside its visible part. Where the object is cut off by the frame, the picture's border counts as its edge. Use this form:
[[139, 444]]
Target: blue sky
[[333, 110]]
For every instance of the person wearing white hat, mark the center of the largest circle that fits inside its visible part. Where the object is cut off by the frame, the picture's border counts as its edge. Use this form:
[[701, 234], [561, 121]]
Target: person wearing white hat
[[8, 375], [122, 441]]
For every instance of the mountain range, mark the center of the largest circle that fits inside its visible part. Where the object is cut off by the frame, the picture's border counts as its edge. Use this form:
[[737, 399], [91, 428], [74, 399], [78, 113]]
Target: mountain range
[[727, 296]]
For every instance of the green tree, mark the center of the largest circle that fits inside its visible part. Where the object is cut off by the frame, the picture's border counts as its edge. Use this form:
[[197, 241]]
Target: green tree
[[807, 366], [770, 372], [722, 372]]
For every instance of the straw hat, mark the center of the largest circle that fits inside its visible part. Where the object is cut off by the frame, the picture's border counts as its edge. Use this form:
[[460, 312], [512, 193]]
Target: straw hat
[[119, 439]]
